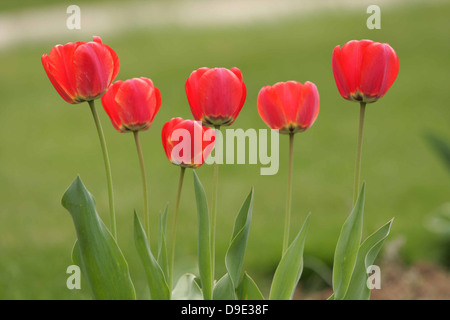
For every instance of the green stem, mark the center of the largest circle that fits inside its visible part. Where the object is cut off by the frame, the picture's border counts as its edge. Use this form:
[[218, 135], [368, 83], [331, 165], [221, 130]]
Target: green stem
[[358, 152], [214, 209], [174, 227], [144, 183], [289, 193], [107, 167]]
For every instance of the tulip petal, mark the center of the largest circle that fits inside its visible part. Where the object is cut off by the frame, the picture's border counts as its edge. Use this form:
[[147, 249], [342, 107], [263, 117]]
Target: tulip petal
[[158, 102], [339, 75], [191, 87], [60, 69], [241, 104], [166, 135], [270, 109], [114, 57], [290, 95], [373, 69], [111, 107], [237, 72], [94, 68], [219, 93], [391, 70], [308, 109], [380, 68], [59, 89]]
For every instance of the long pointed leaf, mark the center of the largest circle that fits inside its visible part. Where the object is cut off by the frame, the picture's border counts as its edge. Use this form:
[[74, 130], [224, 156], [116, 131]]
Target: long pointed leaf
[[367, 254], [248, 290], [204, 246], [162, 247], [102, 263], [290, 267], [347, 248], [159, 290], [234, 258]]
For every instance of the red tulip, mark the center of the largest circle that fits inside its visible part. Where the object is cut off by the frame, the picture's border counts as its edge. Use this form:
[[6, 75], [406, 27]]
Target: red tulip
[[364, 70], [216, 96], [186, 142], [81, 71], [132, 104], [289, 106]]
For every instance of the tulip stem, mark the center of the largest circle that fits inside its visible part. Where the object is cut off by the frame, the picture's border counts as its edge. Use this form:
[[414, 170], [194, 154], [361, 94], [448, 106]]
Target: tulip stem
[[214, 207], [144, 183], [289, 193], [107, 167], [358, 152], [174, 227]]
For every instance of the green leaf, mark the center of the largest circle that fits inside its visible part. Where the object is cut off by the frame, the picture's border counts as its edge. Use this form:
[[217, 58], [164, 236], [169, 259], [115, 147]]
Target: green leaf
[[162, 247], [248, 290], [96, 252], [368, 251], [159, 290], [224, 290], [347, 248], [234, 258], [204, 246], [290, 268], [187, 289], [77, 259]]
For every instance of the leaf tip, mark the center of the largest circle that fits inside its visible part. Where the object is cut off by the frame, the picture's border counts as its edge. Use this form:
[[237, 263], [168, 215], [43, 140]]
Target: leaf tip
[[76, 190]]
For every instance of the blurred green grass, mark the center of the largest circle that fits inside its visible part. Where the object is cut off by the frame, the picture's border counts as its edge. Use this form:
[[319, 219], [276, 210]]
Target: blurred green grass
[[45, 143]]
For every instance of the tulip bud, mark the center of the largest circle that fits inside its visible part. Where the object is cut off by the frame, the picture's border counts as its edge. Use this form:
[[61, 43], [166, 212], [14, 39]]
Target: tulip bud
[[132, 104], [186, 142], [364, 70], [290, 107], [81, 71], [216, 96]]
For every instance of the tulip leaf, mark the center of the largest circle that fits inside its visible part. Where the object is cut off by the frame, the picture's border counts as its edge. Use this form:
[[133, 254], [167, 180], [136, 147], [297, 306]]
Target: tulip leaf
[[234, 258], [159, 290], [204, 244], [368, 251], [223, 289], [77, 259], [96, 252], [290, 268], [248, 290], [187, 289], [162, 246], [347, 248]]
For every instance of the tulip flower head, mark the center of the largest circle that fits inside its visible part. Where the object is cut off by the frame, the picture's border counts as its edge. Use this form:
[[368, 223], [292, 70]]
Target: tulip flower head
[[216, 96], [132, 104], [290, 106], [186, 142], [364, 70], [81, 71]]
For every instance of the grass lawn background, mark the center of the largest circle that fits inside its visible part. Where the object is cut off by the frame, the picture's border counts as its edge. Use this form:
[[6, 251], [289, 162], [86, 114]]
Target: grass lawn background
[[45, 143]]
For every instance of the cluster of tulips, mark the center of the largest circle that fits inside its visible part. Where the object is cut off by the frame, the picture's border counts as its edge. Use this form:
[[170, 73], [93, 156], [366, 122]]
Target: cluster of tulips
[[85, 71]]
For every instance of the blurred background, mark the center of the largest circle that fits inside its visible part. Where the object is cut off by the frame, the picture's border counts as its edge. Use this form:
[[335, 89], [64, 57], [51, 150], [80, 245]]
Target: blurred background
[[45, 142]]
